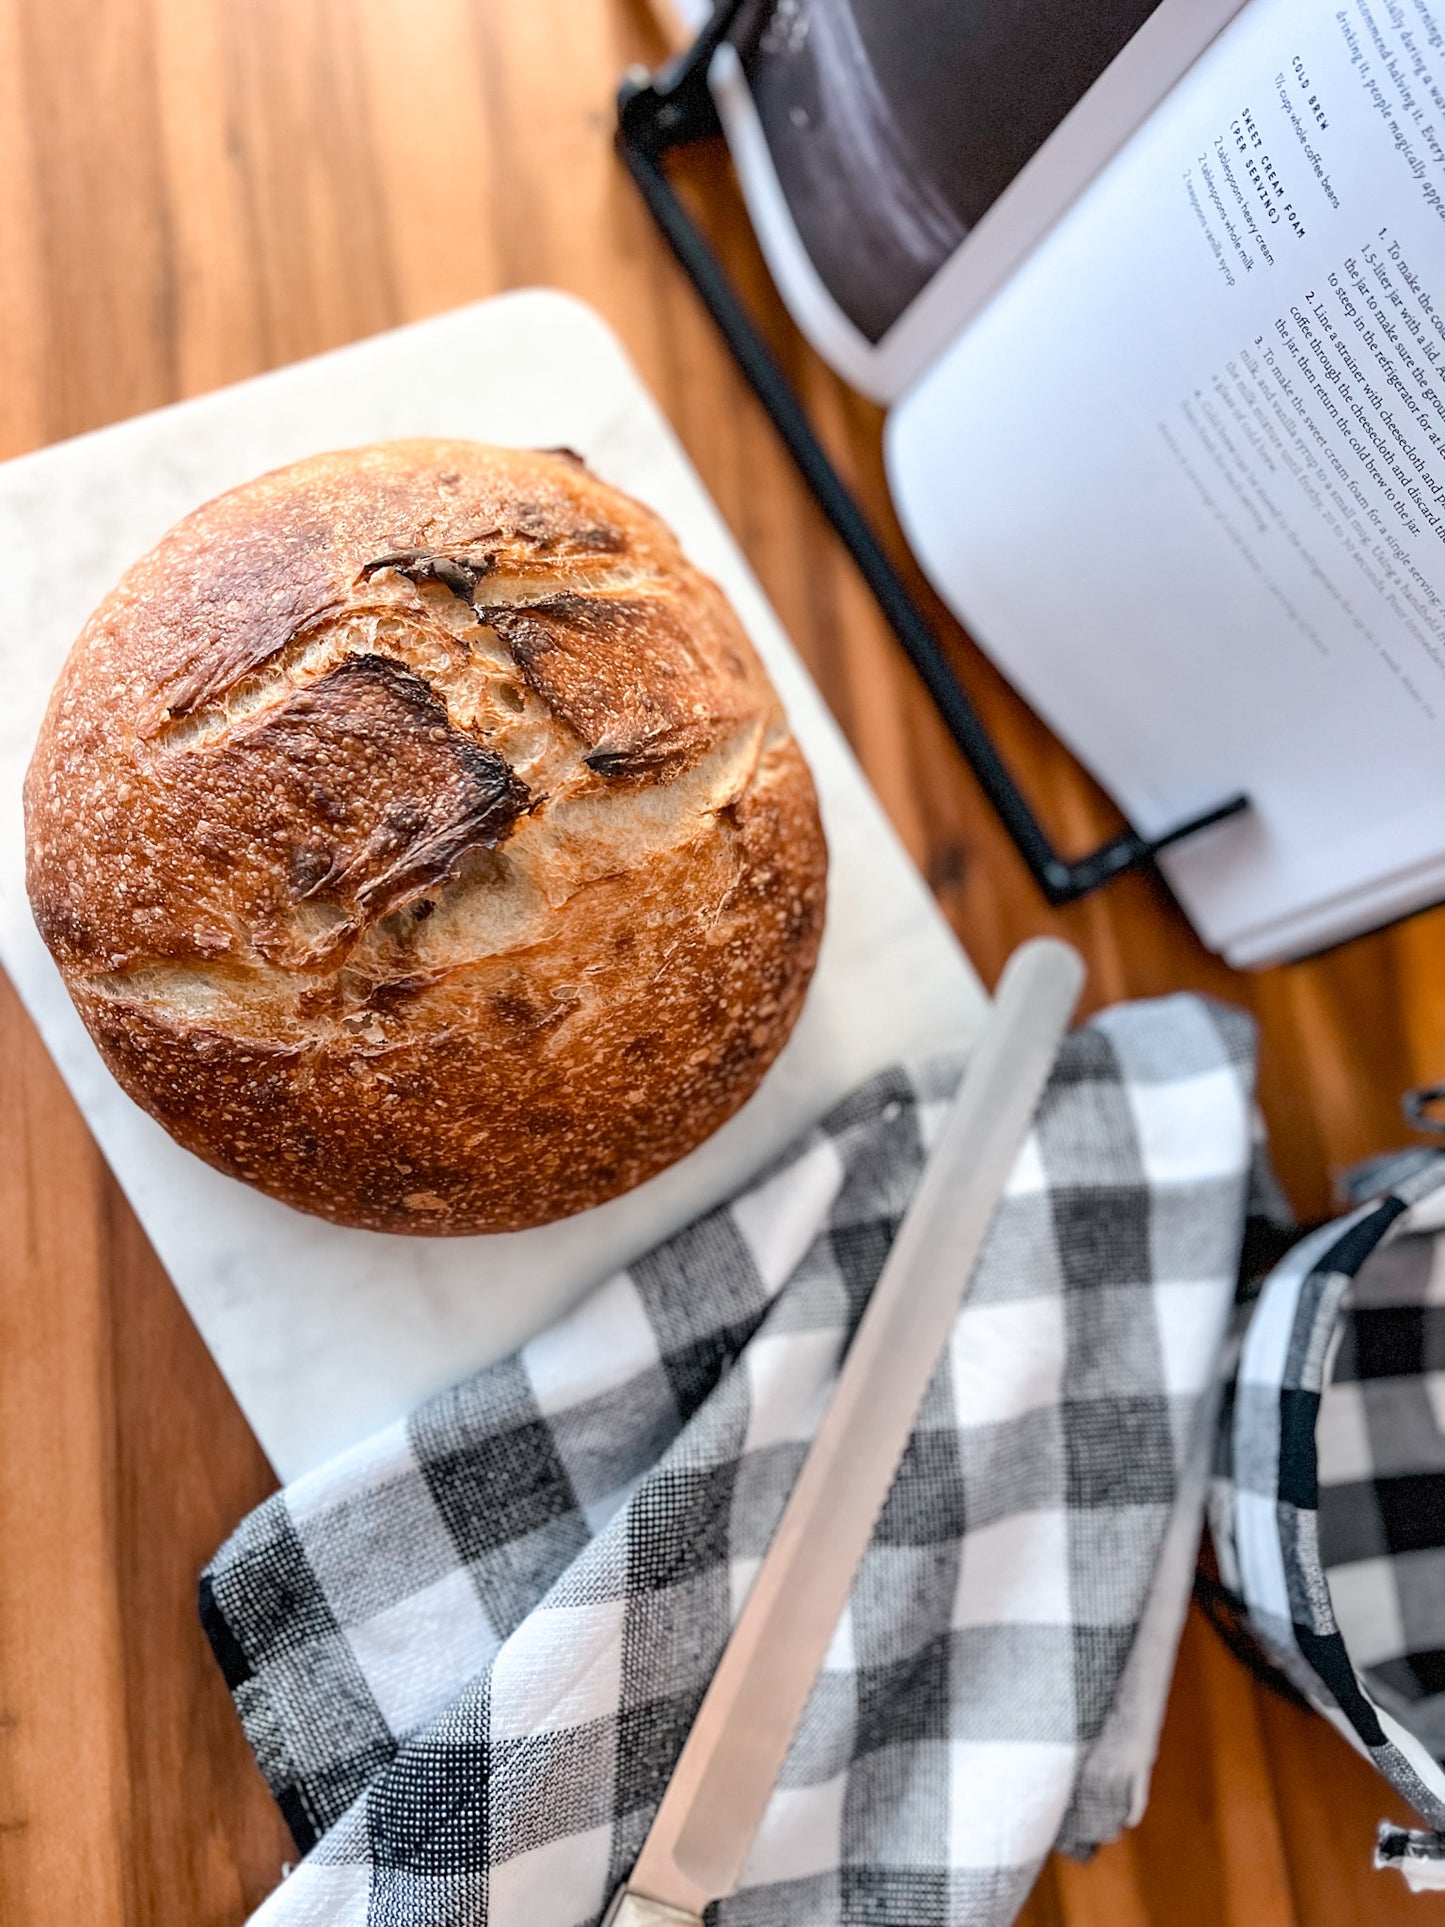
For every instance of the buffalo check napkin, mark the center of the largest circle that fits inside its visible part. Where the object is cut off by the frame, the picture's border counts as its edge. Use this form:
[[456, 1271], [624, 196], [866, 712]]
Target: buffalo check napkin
[[467, 1653], [1328, 1501]]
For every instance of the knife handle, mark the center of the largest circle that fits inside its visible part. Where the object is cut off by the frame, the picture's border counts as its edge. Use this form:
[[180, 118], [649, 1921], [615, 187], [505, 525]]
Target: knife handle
[[631, 1909]]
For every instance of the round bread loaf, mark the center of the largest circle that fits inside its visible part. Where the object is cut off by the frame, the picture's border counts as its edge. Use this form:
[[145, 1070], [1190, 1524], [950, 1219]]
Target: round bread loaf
[[421, 840]]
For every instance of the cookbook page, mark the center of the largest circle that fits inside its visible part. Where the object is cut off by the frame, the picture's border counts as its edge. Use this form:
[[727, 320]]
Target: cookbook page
[[1185, 477]]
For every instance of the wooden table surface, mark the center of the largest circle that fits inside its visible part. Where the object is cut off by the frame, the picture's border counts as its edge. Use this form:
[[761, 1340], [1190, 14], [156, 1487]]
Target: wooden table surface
[[195, 190]]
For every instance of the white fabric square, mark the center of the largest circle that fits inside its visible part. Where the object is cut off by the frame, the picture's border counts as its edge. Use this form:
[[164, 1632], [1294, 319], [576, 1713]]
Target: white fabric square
[[1015, 1572], [1005, 1796], [364, 1470], [741, 1574], [1007, 1358], [801, 1834], [1027, 1179], [556, 1885], [1190, 1317], [604, 1342], [1427, 1217], [781, 1218], [1434, 1383], [790, 1376], [929, 1119], [841, 1656], [412, 1655], [1265, 1353], [1342, 1436], [317, 1895], [1191, 1129], [600, 1512], [1367, 1610], [561, 1667], [1261, 1560]]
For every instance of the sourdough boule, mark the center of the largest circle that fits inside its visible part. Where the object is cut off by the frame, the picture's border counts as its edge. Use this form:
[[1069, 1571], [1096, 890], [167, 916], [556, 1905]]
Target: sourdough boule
[[421, 840]]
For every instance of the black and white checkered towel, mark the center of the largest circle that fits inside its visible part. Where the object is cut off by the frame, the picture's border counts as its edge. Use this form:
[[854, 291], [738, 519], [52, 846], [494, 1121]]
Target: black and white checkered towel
[[467, 1653], [1328, 1501]]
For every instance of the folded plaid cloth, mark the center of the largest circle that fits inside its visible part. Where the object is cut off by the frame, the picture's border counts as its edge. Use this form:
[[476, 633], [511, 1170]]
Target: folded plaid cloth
[[1328, 1502], [467, 1653]]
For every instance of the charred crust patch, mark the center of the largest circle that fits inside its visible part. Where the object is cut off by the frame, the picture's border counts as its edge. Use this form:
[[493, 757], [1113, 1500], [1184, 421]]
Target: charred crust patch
[[459, 566], [458, 569], [395, 992], [603, 538], [655, 752], [326, 768], [604, 619], [308, 867], [617, 670], [546, 530]]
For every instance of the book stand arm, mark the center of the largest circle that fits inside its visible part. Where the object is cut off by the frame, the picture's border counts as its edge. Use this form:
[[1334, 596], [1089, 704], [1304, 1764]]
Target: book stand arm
[[672, 108]]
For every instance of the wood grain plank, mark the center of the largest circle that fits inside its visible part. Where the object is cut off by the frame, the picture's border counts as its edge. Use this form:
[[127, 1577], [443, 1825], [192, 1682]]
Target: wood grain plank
[[62, 1720], [220, 319], [102, 207], [1254, 1864], [424, 78], [186, 1470], [22, 288], [1109, 1892]]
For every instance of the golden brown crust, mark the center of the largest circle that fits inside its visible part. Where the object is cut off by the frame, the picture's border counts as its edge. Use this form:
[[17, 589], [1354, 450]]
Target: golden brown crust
[[421, 840]]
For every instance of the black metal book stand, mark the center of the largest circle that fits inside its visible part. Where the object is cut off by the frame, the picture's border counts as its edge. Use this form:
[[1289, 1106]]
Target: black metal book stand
[[672, 108]]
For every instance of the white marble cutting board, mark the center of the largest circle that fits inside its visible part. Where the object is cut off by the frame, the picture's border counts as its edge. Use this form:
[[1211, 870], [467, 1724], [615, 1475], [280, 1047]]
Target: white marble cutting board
[[325, 1334]]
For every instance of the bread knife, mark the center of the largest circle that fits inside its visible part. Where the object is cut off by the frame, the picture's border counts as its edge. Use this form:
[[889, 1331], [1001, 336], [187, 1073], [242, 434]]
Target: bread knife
[[712, 1806]]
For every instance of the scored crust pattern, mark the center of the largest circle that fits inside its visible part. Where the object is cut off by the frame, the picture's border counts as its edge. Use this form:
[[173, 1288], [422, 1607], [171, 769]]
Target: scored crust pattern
[[422, 841]]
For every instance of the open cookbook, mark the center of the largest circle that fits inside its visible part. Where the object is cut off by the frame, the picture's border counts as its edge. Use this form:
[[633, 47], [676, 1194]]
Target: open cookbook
[[1155, 296]]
